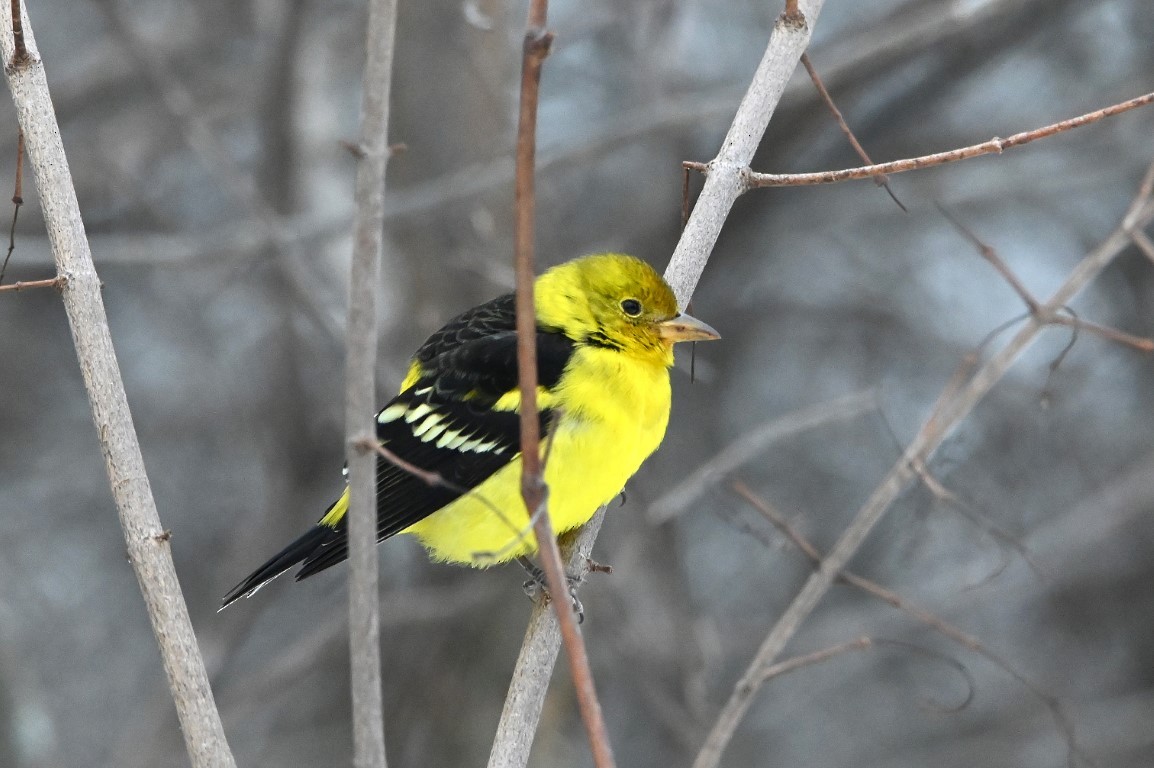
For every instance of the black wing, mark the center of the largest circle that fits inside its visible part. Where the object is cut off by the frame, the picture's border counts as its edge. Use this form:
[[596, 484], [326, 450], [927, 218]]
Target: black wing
[[443, 423]]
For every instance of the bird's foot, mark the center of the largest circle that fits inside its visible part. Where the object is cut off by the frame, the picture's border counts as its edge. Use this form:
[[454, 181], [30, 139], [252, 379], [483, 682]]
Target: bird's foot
[[537, 587]]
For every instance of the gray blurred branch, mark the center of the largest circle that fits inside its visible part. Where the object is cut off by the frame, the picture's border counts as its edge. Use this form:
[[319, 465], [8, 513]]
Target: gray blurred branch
[[146, 539], [678, 498], [953, 405], [360, 389]]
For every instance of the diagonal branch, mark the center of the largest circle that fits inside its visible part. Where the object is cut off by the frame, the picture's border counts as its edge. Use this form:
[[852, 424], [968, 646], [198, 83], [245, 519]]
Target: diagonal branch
[[880, 179], [953, 405], [725, 181], [679, 498], [146, 539], [919, 614]]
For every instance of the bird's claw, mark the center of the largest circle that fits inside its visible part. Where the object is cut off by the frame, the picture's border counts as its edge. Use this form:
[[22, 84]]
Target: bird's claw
[[537, 588]]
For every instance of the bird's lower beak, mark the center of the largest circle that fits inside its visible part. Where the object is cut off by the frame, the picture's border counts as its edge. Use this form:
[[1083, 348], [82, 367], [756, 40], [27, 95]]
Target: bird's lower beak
[[686, 328]]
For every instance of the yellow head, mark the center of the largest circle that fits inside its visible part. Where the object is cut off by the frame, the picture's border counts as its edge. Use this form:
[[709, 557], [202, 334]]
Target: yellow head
[[616, 301]]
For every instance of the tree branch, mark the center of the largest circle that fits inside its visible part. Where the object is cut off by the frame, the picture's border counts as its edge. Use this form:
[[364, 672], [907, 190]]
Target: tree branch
[[146, 539], [678, 498], [539, 650], [993, 146], [360, 389], [726, 179], [953, 405], [530, 681], [536, 47]]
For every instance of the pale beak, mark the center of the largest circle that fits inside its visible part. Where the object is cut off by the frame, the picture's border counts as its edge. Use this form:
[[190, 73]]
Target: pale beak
[[686, 328]]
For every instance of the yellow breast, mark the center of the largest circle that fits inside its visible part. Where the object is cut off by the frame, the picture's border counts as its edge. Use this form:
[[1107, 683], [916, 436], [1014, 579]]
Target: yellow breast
[[611, 418]]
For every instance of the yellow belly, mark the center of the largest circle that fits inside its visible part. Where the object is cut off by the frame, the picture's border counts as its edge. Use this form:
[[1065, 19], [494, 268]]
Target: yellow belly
[[603, 435]]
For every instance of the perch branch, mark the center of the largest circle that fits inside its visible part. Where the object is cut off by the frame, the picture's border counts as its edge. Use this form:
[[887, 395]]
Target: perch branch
[[786, 43]]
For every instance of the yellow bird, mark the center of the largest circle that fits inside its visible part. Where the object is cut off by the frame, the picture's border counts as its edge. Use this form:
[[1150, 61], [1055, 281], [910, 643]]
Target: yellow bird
[[606, 326]]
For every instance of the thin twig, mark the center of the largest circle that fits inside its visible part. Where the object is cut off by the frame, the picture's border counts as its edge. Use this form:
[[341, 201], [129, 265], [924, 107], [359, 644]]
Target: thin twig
[[360, 388], [919, 614], [537, 43], [1064, 316], [679, 498], [880, 179], [995, 145], [54, 282], [432, 479], [20, 56], [989, 254], [977, 517], [18, 196], [148, 547], [817, 657], [953, 405]]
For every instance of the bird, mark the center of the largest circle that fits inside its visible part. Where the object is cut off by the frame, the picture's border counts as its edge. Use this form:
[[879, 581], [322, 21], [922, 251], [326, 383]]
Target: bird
[[606, 325]]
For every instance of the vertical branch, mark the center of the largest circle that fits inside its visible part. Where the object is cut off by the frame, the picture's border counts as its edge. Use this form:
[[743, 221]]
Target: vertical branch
[[17, 200], [360, 389], [535, 48], [146, 540]]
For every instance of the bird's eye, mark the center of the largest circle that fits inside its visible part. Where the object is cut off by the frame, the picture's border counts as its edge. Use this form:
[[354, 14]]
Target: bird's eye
[[631, 307]]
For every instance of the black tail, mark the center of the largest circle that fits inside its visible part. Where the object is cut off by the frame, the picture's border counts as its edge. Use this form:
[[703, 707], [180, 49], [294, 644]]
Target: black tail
[[312, 543]]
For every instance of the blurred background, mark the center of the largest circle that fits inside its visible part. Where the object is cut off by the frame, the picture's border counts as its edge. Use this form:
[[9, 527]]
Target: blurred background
[[205, 142]]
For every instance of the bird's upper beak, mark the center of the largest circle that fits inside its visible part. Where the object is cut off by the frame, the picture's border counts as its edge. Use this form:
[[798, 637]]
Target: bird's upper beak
[[686, 328]]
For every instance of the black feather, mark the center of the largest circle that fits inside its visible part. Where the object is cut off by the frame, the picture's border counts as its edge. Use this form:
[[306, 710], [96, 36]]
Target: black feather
[[313, 541], [465, 367]]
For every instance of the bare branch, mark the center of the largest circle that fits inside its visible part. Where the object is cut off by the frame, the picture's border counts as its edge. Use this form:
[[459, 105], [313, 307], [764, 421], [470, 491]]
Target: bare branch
[[360, 388], [1063, 316], [678, 498], [993, 146], [726, 179], [880, 179], [919, 614], [954, 404], [433, 479], [145, 537], [53, 282], [536, 46], [989, 254], [817, 657], [530, 682]]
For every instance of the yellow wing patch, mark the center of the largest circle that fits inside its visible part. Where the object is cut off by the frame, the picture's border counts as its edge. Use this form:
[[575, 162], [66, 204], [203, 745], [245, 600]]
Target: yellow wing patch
[[336, 511]]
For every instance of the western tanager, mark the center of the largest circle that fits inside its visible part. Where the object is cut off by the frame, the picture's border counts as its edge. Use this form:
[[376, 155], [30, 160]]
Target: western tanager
[[606, 326]]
